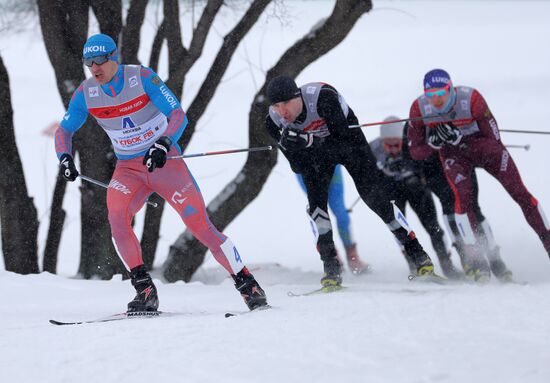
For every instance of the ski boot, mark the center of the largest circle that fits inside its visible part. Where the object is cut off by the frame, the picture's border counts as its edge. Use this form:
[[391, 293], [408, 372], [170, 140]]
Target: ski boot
[[475, 266], [424, 265], [332, 278], [146, 298], [421, 260], [414, 252], [498, 267], [477, 270], [448, 268], [252, 293], [355, 264]]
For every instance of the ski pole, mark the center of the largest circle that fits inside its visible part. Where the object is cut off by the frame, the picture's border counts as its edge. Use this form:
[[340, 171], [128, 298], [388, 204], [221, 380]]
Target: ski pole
[[353, 204], [526, 147], [104, 185], [408, 120], [524, 131], [462, 121], [467, 120], [222, 152]]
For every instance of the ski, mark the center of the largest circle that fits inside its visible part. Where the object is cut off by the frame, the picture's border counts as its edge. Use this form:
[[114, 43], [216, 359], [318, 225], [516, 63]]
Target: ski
[[433, 278], [117, 317], [237, 313], [322, 290]]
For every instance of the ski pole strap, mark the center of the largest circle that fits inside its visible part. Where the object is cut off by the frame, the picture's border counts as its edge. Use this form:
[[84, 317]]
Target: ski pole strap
[[104, 185], [462, 121], [257, 149]]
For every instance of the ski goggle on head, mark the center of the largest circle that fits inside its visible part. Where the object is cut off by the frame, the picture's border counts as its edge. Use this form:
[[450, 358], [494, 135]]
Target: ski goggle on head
[[98, 60], [392, 145], [440, 92]]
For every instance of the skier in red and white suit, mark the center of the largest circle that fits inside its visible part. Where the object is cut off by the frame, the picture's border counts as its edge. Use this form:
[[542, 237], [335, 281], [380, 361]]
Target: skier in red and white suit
[[457, 122], [144, 121]]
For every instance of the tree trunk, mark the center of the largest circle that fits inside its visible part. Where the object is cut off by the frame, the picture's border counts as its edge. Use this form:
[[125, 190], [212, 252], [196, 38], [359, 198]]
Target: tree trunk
[[57, 219], [64, 26], [64, 32], [18, 217], [187, 254]]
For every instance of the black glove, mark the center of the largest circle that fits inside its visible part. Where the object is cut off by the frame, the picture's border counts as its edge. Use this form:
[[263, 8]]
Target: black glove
[[394, 164], [67, 167], [293, 139], [434, 140], [448, 133], [156, 155]]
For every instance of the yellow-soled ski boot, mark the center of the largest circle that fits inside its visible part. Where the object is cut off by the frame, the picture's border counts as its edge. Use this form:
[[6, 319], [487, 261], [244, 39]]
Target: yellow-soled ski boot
[[332, 278]]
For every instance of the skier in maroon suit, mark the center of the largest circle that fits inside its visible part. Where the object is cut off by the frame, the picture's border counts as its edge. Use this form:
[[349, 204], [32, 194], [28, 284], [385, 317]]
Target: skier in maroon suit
[[456, 122]]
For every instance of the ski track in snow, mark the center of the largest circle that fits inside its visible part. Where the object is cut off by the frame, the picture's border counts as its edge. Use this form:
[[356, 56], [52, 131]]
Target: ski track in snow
[[378, 330], [382, 329]]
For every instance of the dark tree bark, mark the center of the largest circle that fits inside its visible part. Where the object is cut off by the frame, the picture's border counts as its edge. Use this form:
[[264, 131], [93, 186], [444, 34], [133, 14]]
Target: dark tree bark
[[18, 217], [109, 16], [181, 61], [187, 254], [64, 25], [57, 220], [156, 47], [130, 31]]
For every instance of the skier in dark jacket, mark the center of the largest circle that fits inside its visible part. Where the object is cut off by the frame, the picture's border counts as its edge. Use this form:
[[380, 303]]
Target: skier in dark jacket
[[311, 126], [408, 185]]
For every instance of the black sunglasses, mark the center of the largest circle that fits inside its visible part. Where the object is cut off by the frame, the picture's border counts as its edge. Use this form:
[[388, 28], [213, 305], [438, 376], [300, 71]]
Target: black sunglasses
[[99, 60]]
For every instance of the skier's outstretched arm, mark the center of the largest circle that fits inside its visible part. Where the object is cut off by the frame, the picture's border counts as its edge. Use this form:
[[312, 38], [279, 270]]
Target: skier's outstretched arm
[[166, 102]]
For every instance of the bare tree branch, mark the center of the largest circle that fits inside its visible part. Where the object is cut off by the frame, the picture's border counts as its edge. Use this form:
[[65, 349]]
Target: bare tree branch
[[200, 33], [180, 59], [130, 31], [217, 70], [156, 47]]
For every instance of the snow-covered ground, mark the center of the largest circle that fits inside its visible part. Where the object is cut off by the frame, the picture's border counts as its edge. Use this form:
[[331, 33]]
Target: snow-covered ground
[[382, 329]]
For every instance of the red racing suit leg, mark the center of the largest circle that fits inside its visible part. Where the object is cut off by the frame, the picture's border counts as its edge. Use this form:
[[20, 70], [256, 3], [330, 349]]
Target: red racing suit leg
[[498, 162], [492, 156], [176, 185]]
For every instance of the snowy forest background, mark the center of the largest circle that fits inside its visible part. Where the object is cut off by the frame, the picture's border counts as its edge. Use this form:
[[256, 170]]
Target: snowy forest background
[[383, 329]]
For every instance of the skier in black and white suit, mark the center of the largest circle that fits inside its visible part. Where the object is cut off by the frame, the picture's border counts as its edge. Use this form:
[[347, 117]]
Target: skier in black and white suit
[[311, 126]]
